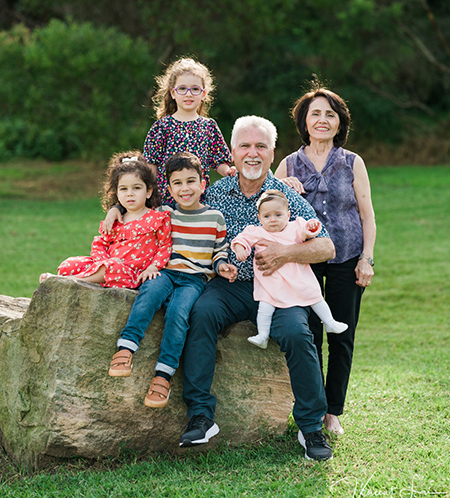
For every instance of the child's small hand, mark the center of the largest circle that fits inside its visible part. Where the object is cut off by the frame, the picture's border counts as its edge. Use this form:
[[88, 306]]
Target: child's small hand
[[231, 171], [112, 215], [312, 227], [228, 271], [241, 252], [225, 170], [149, 273]]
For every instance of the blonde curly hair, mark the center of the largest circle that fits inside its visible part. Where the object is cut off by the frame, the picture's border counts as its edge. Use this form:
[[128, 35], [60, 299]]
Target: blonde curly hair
[[164, 104]]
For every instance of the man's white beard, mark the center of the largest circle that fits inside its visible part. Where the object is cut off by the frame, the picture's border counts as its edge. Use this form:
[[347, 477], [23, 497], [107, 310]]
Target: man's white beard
[[251, 175]]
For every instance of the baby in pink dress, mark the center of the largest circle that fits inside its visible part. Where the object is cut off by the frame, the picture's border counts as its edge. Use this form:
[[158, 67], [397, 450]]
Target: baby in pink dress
[[294, 284], [135, 249]]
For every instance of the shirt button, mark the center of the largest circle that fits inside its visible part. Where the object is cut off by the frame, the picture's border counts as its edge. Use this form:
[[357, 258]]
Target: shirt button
[[324, 213], [324, 202]]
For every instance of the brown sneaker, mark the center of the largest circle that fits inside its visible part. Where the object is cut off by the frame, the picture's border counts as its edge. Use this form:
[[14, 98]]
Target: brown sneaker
[[121, 364], [158, 394]]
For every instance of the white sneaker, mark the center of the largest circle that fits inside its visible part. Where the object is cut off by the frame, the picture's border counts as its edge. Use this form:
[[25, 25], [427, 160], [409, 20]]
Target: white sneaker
[[316, 446], [259, 340], [199, 430], [335, 327]]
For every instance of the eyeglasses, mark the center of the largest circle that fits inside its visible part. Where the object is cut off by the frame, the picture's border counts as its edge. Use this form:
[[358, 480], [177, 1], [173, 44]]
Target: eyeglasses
[[183, 90]]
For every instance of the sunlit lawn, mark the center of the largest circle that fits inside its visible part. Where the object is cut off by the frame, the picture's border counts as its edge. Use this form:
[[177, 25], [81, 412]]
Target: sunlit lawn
[[397, 418]]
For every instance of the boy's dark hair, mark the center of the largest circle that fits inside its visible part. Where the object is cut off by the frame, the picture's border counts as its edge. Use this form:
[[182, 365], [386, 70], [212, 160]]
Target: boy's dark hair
[[180, 161]]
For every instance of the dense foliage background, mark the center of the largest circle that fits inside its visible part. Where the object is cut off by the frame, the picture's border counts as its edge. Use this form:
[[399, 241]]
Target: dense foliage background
[[77, 78]]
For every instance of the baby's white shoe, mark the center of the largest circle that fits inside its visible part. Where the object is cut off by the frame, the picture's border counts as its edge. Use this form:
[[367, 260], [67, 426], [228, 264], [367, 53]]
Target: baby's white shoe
[[259, 340], [335, 327]]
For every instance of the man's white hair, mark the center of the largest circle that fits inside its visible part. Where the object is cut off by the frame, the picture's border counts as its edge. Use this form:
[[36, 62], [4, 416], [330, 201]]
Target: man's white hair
[[254, 122]]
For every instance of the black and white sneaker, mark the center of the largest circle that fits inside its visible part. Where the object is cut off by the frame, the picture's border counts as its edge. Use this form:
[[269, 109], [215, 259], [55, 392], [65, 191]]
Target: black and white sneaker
[[198, 431], [316, 446]]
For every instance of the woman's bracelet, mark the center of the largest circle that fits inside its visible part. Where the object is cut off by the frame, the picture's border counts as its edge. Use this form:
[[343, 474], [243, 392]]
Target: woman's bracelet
[[369, 260]]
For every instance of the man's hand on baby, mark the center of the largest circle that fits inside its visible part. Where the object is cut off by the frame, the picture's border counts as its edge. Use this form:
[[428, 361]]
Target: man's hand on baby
[[112, 215], [271, 257], [228, 271]]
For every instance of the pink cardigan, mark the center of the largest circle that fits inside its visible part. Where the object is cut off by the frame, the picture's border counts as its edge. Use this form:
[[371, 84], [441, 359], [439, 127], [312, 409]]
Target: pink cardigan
[[294, 284]]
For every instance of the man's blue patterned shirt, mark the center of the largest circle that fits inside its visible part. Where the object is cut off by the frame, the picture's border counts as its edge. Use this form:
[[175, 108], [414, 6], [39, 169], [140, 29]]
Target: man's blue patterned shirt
[[240, 211]]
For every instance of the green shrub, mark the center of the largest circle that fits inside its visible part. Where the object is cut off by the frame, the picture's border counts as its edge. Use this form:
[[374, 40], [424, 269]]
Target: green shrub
[[72, 89]]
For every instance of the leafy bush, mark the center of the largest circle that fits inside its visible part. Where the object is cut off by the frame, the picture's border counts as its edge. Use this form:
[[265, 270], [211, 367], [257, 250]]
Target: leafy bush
[[72, 89]]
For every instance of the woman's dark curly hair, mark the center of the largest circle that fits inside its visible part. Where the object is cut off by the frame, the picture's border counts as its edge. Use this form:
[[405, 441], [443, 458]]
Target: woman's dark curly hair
[[301, 107], [128, 162]]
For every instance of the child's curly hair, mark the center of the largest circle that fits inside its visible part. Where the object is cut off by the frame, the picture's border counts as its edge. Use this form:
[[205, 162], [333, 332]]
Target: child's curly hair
[[128, 162], [164, 104]]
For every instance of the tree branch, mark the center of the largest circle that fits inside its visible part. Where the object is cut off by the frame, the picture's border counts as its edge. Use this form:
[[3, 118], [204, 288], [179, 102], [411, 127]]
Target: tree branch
[[395, 100], [435, 26], [424, 49]]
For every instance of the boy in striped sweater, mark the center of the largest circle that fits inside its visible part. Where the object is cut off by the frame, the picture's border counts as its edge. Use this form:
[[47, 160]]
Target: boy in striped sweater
[[199, 252]]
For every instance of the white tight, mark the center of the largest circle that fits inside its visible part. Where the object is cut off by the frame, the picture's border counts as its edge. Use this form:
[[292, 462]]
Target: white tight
[[321, 309], [264, 318]]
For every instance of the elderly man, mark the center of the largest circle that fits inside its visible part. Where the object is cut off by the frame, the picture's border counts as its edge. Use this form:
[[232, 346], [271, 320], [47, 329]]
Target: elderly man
[[224, 303]]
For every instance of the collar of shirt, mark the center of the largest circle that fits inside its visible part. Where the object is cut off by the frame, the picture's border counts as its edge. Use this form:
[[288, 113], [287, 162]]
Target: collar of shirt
[[240, 211]]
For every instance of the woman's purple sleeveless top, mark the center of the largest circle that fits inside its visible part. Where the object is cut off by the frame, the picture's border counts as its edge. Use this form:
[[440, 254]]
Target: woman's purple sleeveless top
[[332, 196]]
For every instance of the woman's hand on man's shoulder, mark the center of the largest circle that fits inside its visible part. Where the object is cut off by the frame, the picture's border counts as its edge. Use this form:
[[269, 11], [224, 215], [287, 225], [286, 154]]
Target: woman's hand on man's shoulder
[[294, 183]]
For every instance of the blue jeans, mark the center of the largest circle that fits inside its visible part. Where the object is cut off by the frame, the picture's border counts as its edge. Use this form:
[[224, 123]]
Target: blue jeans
[[177, 292], [224, 303]]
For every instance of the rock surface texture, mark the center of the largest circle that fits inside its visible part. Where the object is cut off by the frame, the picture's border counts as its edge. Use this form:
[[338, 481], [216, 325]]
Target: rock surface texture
[[56, 398]]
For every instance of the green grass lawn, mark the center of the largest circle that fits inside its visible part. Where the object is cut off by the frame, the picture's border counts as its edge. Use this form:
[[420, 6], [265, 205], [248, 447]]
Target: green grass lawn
[[397, 418]]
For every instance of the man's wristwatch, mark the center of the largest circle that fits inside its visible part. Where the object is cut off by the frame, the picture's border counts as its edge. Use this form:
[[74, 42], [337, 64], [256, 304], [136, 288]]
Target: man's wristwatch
[[369, 260]]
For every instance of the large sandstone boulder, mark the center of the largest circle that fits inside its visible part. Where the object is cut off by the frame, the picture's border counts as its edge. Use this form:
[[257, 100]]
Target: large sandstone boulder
[[56, 398]]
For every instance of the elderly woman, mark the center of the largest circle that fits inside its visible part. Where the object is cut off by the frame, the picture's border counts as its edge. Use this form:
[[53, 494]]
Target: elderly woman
[[335, 182]]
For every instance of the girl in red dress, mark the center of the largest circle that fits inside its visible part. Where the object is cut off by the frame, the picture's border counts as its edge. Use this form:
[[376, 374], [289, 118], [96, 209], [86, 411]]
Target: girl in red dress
[[135, 249]]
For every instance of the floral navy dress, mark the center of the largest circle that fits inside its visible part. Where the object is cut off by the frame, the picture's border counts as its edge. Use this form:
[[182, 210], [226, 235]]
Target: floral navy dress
[[201, 137]]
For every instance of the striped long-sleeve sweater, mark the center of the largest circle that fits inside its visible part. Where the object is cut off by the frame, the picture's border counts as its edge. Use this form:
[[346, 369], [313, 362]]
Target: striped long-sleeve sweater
[[198, 240]]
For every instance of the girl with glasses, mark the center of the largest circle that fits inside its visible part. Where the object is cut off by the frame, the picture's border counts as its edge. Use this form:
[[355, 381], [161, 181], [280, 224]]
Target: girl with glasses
[[181, 104]]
